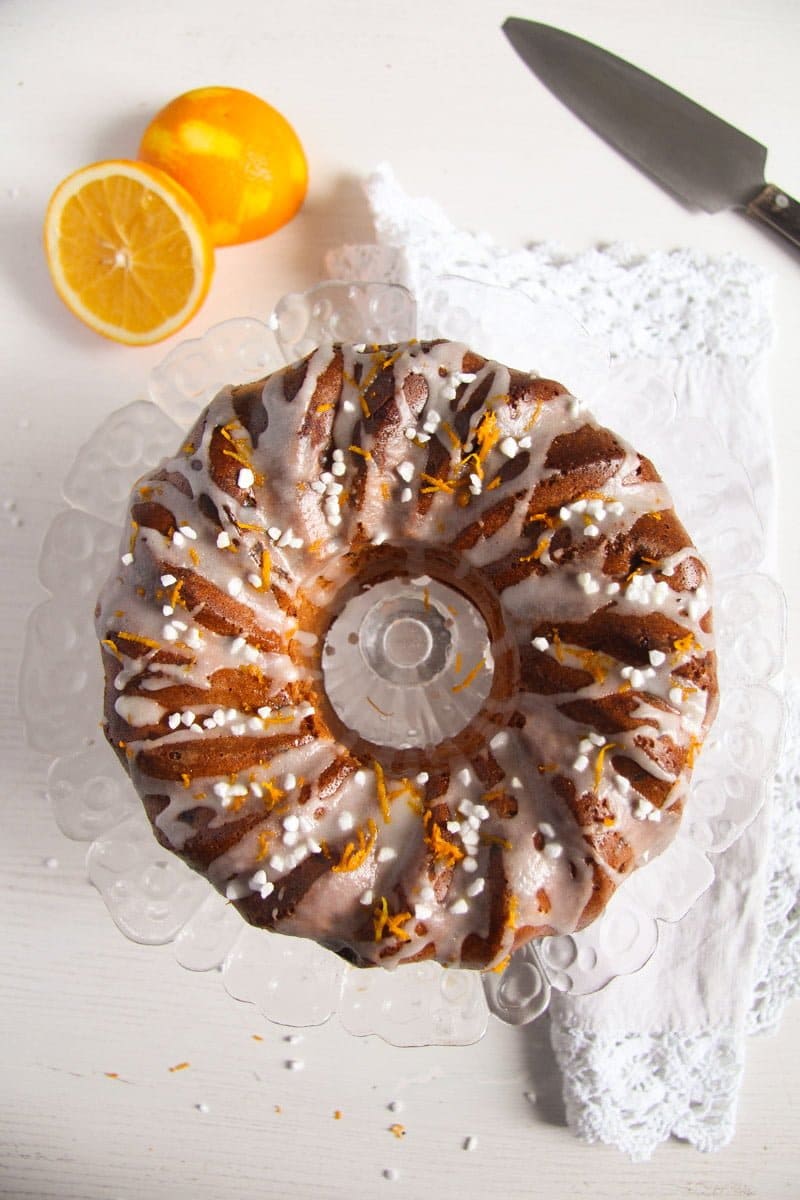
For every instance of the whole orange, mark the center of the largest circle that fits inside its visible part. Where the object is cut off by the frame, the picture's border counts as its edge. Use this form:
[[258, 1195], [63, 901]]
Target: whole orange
[[236, 155]]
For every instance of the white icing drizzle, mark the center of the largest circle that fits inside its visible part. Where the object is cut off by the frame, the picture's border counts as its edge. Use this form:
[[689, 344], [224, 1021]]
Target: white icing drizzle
[[326, 476]]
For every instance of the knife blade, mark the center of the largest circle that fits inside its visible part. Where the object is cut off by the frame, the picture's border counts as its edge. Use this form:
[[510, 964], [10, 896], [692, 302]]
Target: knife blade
[[695, 155]]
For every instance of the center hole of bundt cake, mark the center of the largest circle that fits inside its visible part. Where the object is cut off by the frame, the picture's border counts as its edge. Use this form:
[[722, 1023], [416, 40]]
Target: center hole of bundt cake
[[407, 662], [408, 641], [403, 640]]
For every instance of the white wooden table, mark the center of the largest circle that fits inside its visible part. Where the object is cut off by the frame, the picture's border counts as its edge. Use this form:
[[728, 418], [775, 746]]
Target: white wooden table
[[434, 89]]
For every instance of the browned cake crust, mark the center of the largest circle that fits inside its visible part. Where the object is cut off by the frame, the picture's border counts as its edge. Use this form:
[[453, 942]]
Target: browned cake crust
[[491, 501]]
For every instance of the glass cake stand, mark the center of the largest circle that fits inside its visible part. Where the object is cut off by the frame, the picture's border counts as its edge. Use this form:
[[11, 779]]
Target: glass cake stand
[[154, 898]]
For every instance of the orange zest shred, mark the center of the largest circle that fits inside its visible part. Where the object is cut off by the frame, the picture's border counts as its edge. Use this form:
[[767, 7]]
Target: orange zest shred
[[181, 1066], [434, 484], [513, 913], [597, 664], [685, 645], [398, 1130], [137, 637], [377, 708], [470, 677], [695, 745], [354, 854], [389, 924], [501, 966], [534, 417], [112, 646], [185, 780], [365, 454], [443, 850], [536, 554], [264, 839], [279, 719], [383, 799], [491, 839], [266, 568], [600, 761], [550, 521], [451, 433], [194, 556], [487, 434]]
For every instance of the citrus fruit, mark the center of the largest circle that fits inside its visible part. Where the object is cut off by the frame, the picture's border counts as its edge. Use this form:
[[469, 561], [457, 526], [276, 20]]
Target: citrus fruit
[[128, 250], [236, 155]]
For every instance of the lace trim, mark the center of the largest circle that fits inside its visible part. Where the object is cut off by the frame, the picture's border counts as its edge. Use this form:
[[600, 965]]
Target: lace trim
[[662, 304], [636, 1091], [777, 968]]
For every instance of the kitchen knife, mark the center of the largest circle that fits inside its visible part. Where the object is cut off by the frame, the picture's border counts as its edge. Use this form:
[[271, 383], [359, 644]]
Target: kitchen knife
[[691, 152]]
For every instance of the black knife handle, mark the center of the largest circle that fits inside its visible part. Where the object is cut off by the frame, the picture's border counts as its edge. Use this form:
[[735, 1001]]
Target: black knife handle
[[778, 210]]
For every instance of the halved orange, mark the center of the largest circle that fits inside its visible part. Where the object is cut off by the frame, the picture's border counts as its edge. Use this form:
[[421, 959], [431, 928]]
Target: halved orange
[[235, 154], [129, 250]]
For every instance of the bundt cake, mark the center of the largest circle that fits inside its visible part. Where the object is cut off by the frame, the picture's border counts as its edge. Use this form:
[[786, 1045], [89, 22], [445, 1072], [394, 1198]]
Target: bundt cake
[[407, 654]]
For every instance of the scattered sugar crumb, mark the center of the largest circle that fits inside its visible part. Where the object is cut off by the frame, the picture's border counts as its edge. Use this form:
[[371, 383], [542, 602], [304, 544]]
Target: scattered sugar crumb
[[390, 1173], [530, 1097], [293, 1039], [50, 863], [395, 1106], [294, 1064], [202, 1108], [470, 1143]]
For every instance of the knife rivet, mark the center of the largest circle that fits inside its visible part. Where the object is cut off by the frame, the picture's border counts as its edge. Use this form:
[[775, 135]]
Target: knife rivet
[[781, 201]]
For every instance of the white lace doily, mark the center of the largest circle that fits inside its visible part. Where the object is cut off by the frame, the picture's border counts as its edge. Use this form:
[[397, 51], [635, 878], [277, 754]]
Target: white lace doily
[[154, 898], [660, 1053]]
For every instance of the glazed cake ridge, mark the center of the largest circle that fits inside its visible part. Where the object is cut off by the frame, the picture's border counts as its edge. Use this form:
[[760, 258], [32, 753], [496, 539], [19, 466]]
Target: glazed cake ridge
[[463, 482]]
